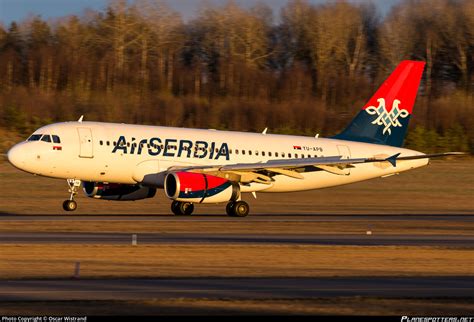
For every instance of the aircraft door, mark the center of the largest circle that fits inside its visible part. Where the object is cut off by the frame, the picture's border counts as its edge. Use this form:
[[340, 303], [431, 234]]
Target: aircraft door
[[85, 142], [345, 152]]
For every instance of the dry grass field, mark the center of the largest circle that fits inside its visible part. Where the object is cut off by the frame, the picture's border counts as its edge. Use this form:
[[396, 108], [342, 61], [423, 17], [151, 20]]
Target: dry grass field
[[354, 226], [207, 260], [183, 306], [443, 187]]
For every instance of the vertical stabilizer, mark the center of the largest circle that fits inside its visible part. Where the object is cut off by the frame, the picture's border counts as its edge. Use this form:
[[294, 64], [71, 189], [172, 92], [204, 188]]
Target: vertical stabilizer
[[384, 119]]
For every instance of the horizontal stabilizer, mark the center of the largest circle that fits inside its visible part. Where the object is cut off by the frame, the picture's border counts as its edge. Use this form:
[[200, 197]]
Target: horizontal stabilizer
[[434, 155], [393, 159]]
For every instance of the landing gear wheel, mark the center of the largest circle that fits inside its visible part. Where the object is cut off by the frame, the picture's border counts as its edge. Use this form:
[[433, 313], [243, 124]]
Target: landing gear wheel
[[174, 207], [240, 208], [229, 209], [182, 208], [69, 205]]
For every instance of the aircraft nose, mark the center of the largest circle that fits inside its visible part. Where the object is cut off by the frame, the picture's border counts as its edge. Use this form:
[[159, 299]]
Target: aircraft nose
[[16, 156]]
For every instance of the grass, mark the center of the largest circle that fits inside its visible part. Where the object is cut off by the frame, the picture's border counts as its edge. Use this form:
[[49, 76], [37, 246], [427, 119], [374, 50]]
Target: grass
[[327, 227], [183, 306], [207, 260], [444, 187]]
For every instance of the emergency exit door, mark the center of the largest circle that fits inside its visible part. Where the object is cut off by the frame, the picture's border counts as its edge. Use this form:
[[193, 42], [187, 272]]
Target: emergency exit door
[[85, 142]]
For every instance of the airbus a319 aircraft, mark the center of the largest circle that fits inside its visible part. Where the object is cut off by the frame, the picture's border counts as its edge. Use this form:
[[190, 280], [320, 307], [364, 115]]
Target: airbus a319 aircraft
[[195, 166]]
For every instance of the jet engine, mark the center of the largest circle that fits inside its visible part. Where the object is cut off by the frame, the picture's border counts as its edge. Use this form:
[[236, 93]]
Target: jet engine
[[115, 191], [200, 188]]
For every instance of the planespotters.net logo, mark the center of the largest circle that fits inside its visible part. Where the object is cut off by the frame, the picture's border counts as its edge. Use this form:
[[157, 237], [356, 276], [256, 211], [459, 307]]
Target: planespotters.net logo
[[437, 319], [385, 118]]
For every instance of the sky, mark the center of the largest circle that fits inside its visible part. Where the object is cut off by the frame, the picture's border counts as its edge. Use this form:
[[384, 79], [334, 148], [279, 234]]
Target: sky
[[17, 10]]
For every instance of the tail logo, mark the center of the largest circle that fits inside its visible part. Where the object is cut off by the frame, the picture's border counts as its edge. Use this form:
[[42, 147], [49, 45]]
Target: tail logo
[[385, 118]]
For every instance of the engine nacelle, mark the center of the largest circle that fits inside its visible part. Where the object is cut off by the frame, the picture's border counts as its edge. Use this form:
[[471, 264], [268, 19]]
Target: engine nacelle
[[200, 188], [115, 191]]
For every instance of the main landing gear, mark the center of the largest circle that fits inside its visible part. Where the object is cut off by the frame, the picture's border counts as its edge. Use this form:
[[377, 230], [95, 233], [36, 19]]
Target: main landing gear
[[233, 208], [70, 204], [237, 208], [182, 208]]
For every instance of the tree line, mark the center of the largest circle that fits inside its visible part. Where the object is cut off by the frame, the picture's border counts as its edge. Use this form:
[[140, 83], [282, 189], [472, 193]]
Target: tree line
[[305, 70]]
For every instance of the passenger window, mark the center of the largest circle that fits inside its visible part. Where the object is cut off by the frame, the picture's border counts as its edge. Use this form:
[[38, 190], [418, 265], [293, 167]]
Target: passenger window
[[35, 137], [256, 152], [236, 151], [108, 143], [46, 138], [289, 155], [56, 139], [276, 154], [296, 155], [263, 153], [101, 142], [250, 153], [243, 151]]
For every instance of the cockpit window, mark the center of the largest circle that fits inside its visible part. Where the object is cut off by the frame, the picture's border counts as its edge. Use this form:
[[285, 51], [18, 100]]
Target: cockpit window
[[56, 139], [46, 138], [34, 137]]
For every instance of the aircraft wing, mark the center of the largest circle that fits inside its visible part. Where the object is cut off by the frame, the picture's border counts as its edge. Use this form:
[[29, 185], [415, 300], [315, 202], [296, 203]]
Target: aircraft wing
[[262, 172]]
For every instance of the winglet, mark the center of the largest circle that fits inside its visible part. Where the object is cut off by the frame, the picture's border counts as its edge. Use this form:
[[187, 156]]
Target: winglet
[[393, 159]]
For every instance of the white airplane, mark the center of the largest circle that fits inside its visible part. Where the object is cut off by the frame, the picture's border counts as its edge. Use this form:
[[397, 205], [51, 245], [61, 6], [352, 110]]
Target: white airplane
[[194, 166]]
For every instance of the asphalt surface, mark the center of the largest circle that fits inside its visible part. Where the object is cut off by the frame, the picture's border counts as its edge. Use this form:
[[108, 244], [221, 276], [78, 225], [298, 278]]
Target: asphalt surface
[[192, 238], [363, 239], [251, 288], [250, 218]]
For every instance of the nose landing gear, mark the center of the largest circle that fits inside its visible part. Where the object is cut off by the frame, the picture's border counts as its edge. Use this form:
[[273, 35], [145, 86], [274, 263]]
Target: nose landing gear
[[70, 204]]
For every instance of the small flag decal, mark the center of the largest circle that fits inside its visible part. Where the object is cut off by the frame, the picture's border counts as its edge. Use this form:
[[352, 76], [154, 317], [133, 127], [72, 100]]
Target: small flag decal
[[57, 147], [296, 147]]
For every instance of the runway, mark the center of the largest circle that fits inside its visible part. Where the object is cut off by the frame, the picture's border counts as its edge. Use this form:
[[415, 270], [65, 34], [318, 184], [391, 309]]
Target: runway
[[361, 239], [228, 230], [274, 218], [237, 288]]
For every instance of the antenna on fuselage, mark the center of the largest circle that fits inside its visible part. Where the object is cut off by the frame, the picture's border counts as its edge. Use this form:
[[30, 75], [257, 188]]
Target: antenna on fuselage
[[80, 119], [265, 131]]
